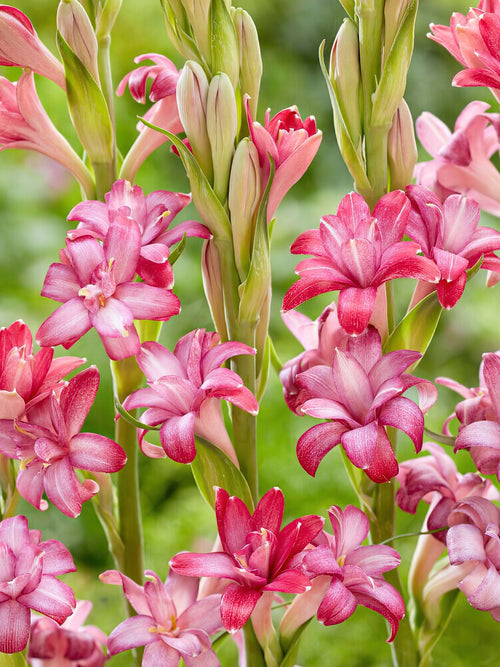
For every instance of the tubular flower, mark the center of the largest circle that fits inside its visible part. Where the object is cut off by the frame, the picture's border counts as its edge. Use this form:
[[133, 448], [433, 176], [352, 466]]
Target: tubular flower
[[26, 378], [473, 41], [474, 550], [95, 284], [21, 47], [170, 622], [290, 142], [361, 393], [462, 161], [355, 571], [258, 555], [28, 581], [356, 252], [184, 394], [50, 446], [69, 644], [449, 234], [481, 433], [153, 214]]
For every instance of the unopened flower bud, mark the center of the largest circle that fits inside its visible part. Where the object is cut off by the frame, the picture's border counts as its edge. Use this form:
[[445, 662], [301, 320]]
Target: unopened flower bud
[[394, 14], [250, 58], [401, 148], [76, 29], [244, 198], [225, 55], [212, 283], [106, 13], [198, 13], [222, 126], [192, 92]]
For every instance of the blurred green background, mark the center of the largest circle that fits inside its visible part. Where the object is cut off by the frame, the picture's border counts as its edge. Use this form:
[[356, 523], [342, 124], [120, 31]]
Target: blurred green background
[[35, 197]]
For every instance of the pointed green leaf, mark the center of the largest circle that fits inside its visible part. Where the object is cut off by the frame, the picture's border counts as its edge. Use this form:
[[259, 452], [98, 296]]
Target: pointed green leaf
[[132, 420], [292, 647], [417, 328], [212, 467]]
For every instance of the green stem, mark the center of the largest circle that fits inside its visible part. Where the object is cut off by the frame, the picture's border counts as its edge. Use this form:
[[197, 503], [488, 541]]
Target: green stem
[[13, 659], [253, 650]]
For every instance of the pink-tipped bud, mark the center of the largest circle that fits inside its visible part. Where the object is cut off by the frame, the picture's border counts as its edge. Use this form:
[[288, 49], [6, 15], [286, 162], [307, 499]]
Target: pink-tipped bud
[[222, 127], [250, 58], [76, 29], [401, 148]]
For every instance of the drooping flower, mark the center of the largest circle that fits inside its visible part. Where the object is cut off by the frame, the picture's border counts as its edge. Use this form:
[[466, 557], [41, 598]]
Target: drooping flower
[[356, 252], [68, 645], [171, 622], [153, 214], [26, 377], [185, 391], [95, 284], [50, 446], [462, 159], [28, 580], [361, 393], [21, 47], [290, 142], [258, 555], [450, 235]]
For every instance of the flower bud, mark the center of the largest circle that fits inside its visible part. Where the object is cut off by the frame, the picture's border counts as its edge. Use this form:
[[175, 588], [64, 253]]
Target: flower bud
[[198, 13], [250, 58], [106, 13], [222, 126], [212, 283], [394, 14], [76, 29], [401, 148], [244, 198], [225, 55], [192, 92]]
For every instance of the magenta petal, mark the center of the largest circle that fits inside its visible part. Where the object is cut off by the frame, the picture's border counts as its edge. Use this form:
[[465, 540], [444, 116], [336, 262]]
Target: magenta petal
[[62, 487], [405, 415], [214, 564], [355, 307], [360, 444], [269, 511], [305, 289], [177, 438], [90, 451], [315, 444], [233, 521], [337, 605], [14, 626], [237, 604], [289, 581], [77, 399], [147, 302], [65, 326]]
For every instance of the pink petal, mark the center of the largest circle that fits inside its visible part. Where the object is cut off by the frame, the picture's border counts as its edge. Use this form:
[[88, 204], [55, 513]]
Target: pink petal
[[122, 347], [154, 267], [62, 487], [237, 604], [355, 307], [315, 444], [337, 605], [305, 289], [60, 283], [65, 326], [269, 511], [133, 632], [77, 399], [177, 438], [290, 581], [147, 302], [122, 247], [214, 564], [133, 592], [14, 626], [90, 451], [465, 542], [403, 414], [52, 598], [233, 521]]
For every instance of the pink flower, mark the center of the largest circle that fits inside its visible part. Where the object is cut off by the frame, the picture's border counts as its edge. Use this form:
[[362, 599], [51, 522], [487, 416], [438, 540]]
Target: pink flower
[[473, 41], [290, 143], [153, 214], [355, 571], [361, 393], [258, 555], [50, 446], [68, 645], [449, 235], [21, 47], [356, 252], [95, 284], [26, 378], [185, 391], [462, 159], [28, 580], [482, 436], [171, 622], [473, 543]]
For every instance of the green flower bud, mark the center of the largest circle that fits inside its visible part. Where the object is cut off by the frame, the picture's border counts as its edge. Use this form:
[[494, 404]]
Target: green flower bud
[[198, 13], [106, 13], [75, 27], [394, 15], [401, 148], [224, 49], [250, 58]]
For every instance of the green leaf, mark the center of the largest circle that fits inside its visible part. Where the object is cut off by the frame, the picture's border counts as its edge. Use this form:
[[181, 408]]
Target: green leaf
[[292, 647], [212, 467], [178, 250], [132, 420]]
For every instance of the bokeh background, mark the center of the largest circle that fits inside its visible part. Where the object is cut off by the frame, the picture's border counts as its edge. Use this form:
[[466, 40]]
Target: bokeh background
[[35, 197]]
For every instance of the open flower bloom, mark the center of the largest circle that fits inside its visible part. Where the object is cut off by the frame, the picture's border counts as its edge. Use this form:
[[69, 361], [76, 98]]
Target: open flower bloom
[[482, 436], [184, 394], [95, 284], [361, 393], [291, 143], [171, 622], [21, 47], [356, 252], [24, 124], [258, 555], [474, 549], [462, 159], [69, 644], [26, 377], [28, 581], [50, 446], [153, 214], [449, 234], [355, 572], [473, 41], [163, 113]]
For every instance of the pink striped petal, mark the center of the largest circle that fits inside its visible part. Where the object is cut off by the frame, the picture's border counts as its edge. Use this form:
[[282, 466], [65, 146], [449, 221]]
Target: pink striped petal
[[337, 605], [155, 361], [65, 326], [14, 626], [405, 415], [214, 564], [77, 399], [60, 283], [122, 247], [62, 487], [147, 302], [122, 347], [289, 581], [360, 444], [90, 451], [113, 319], [133, 632], [305, 289], [355, 307], [237, 604], [177, 438], [153, 266], [315, 444], [269, 511], [133, 592], [52, 598]]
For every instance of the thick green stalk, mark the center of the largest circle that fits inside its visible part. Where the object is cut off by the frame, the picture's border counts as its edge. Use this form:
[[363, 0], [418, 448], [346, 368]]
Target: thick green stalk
[[253, 650]]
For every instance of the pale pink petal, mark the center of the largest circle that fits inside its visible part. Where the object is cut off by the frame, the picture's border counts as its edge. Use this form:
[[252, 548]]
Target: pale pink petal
[[147, 302], [177, 438], [60, 283], [52, 598], [65, 326], [133, 632], [123, 346], [14, 626], [90, 451]]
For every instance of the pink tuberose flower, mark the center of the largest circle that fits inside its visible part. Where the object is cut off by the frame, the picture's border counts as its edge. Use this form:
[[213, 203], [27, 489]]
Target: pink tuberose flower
[[50, 446], [153, 213], [184, 393], [361, 393], [290, 142], [356, 252], [95, 284], [462, 160], [170, 622], [258, 555], [28, 580]]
